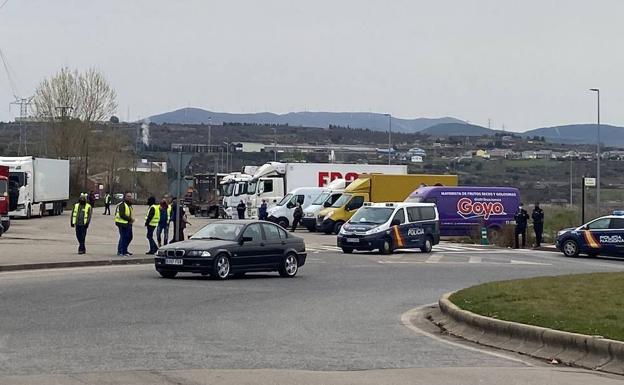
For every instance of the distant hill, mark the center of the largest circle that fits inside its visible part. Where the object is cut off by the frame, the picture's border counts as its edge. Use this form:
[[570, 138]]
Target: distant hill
[[373, 121], [581, 134], [458, 129]]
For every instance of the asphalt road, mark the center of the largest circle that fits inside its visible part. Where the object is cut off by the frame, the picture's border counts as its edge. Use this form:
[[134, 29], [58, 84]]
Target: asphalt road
[[342, 313]]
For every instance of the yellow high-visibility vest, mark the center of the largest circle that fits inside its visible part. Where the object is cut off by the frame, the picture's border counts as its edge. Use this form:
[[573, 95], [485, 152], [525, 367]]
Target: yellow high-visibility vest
[[127, 211], [87, 212], [156, 217]]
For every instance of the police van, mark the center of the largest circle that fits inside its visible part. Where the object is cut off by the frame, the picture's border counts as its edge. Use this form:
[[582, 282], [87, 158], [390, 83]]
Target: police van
[[602, 236], [390, 226]]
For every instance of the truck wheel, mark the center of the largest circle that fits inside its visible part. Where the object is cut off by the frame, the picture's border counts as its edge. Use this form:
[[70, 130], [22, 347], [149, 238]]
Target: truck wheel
[[283, 222], [337, 227], [29, 212]]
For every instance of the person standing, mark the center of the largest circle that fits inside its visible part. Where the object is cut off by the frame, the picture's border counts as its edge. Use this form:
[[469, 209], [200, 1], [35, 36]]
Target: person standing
[[172, 219], [297, 215], [80, 220], [538, 223], [152, 219], [91, 198], [240, 209], [107, 202], [522, 218], [162, 231], [124, 219], [263, 211]]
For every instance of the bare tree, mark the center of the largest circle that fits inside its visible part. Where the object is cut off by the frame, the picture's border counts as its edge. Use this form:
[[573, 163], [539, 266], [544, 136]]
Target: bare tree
[[98, 100]]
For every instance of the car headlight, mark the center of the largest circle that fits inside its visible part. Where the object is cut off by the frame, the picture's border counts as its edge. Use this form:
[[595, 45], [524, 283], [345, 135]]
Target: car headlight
[[374, 230], [310, 215], [199, 253], [161, 253], [344, 230], [561, 232]]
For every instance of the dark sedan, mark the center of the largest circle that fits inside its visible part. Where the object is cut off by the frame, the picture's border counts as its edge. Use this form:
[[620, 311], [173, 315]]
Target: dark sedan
[[227, 248]]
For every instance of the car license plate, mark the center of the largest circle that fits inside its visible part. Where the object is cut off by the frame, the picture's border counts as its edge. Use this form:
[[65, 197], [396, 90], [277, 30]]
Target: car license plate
[[170, 261], [4, 219], [353, 240]]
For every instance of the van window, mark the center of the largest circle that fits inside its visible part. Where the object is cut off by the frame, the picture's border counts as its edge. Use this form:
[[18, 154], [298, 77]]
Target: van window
[[427, 213], [268, 185], [300, 199], [400, 215], [356, 203], [413, 215]]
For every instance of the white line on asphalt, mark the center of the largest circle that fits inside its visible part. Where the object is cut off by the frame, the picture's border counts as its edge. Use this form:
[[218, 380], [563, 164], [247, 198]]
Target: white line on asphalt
[[434, 259], [406, 321], [474, 260], [516, 262]]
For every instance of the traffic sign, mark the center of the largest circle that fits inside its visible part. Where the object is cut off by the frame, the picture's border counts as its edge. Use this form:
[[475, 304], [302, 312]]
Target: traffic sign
[[590, 182]]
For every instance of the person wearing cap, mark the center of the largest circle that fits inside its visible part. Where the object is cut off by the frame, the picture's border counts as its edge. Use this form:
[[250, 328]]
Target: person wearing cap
[[80, 220], [538, 224], [152, 219], [522, 218]]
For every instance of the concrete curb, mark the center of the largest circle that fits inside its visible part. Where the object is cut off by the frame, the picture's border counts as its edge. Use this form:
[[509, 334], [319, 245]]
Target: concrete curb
[[590, 352], [58, 265]]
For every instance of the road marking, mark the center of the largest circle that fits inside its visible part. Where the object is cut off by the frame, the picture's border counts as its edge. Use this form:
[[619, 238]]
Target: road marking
[[474, 260], [434, 259], [406, 321], [516, 262]]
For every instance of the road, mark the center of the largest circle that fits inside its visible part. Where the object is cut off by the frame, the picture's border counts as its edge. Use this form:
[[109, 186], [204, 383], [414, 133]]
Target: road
[[342, 313]]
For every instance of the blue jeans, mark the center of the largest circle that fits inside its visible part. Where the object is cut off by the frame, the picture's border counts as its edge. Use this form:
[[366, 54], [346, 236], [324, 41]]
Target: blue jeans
[[162, 233], [153, 247], [125, 237], [81, 235]]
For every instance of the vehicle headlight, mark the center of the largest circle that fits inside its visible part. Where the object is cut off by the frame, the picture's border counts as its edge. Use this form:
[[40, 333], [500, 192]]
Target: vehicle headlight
[[344, 230], [374, 230], [310, 215], [561, 232], [199, 253], [161, 253], [329, 215]]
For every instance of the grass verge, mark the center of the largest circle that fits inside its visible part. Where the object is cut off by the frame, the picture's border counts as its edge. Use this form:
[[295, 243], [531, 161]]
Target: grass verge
[[586, 303]]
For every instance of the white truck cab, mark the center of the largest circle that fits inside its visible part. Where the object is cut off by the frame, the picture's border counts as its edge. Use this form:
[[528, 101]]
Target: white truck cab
[[234, 187]]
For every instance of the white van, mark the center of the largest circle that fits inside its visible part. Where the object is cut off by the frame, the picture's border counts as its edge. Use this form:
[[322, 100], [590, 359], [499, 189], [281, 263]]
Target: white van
[[330, 194], [282, 213]]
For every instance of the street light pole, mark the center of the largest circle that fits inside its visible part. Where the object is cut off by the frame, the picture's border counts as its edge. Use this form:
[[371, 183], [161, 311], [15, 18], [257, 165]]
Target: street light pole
[[389, 136], [275, 144], [597, 91]]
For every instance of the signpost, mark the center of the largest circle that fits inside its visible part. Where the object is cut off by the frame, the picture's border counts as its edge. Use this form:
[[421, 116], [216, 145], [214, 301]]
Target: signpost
[[587, 182], [177, 162]]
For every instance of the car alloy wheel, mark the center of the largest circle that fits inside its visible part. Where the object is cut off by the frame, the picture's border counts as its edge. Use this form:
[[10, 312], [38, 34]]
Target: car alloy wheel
[[221, 267], [570, 248], [290, 267]]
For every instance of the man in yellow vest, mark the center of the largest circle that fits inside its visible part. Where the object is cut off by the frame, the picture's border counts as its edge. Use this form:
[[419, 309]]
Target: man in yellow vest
[[124, 219], [151, 222], [80, 220]]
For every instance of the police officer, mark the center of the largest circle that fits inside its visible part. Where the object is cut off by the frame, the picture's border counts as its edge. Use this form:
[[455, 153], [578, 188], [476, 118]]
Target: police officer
[[262, 211], [538, 224], [80, 219], [107, 202], [124, 219], [297, 215], [152, 219], [522, 218], [240, 209]]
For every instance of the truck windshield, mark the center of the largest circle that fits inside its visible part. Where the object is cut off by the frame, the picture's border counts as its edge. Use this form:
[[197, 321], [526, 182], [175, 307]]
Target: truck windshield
[[321, 199], [343, 200], [228, 189], [376, 215], [285, 200], [252, 185]]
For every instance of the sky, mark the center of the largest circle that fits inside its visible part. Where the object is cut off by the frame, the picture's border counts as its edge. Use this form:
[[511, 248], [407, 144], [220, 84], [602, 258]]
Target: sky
[[521, 64]]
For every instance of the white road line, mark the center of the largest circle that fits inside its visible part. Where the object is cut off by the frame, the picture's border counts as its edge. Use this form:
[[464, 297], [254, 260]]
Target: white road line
[[406, 321], [434, 259], [516, 262], [474, 259]]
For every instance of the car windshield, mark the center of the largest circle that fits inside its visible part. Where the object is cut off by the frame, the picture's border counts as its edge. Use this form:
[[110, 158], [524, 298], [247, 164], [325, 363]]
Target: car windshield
[[342, 201], [321, 198], [285, 200], [376, 215], [225, 231]]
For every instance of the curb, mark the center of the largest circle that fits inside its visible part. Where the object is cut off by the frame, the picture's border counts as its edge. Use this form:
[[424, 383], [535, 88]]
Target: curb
[[589, 352], [58, 265]]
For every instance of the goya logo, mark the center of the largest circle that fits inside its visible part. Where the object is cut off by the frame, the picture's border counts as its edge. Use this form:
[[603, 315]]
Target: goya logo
[[469, 209]]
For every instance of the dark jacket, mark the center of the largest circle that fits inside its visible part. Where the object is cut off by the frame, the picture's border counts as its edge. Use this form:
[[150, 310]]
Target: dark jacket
[[262, 212], [241, 207], [537, 216], [150, 215], [298, 212], [521, 217]]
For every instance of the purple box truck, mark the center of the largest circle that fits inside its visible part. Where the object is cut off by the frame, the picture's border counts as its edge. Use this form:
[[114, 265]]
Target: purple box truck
[[464, 209]]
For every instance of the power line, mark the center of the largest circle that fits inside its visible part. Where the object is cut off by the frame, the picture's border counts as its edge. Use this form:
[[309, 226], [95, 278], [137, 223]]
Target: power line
[[7, 69], [3, 4]]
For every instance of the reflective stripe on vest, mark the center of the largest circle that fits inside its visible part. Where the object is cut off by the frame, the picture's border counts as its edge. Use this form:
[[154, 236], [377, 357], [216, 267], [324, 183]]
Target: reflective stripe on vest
[[127, 210], [156, 217], [87, 211]]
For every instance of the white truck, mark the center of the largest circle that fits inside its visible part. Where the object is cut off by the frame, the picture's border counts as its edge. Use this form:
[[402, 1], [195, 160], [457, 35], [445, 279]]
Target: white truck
[[43, 185], [272, 180], [234, 189]]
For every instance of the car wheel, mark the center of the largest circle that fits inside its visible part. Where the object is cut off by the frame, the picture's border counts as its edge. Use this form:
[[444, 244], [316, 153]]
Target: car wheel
[[283, 222], [337, 227], [386, 248], [570, 248], [290, 266], [168, 274], [427, 246], [347, 250], [221, 268]]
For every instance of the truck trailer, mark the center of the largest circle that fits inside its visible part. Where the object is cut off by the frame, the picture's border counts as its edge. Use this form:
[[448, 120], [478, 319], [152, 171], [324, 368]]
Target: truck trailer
[[42, 184]]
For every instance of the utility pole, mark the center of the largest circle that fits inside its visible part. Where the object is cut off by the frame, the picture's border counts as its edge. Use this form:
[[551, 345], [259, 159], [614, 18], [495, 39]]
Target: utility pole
[[389, 137], [597, 91], [275, 144]]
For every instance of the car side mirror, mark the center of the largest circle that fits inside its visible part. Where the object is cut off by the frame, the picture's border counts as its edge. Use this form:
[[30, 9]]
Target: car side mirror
[[245, 239], [585, 227], [326, 204], [395, 222], [290, 205]]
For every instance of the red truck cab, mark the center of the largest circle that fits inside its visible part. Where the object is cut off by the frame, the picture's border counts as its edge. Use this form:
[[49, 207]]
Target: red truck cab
[[4, 199]]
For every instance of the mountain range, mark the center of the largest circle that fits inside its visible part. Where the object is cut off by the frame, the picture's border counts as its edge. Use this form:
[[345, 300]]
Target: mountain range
[[445, 126]]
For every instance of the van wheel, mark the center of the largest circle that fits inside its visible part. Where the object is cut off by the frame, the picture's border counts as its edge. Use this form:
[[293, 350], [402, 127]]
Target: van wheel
[[427, 246], [283, 222], [337, 227], [386, 248], [570, 248]]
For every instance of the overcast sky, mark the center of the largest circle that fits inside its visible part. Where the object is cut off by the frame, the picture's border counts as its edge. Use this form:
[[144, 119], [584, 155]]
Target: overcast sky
[[524, 64]]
